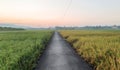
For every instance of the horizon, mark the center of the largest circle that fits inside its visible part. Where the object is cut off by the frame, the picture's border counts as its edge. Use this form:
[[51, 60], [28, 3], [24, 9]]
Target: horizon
[[51, 13], [23, 26]]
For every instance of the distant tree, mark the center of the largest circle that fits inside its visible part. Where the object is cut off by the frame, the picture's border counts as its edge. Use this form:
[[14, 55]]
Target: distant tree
[[9, 29]]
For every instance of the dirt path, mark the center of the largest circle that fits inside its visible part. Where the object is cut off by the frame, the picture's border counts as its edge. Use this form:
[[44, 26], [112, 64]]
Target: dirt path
[[60, 56]]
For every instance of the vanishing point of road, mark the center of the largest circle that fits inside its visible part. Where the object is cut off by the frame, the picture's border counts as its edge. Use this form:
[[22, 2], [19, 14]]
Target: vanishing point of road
[[59, 55]]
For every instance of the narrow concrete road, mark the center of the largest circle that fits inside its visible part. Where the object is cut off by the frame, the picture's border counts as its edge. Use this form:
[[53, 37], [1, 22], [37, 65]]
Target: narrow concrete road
[[60, 56]]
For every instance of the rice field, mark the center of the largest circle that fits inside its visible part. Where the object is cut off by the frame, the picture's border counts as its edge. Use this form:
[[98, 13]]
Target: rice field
[[100, 48], [20, 50]]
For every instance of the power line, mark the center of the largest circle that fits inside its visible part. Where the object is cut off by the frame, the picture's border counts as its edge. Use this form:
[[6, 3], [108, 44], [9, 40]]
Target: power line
[[68, 7], [66, 10]]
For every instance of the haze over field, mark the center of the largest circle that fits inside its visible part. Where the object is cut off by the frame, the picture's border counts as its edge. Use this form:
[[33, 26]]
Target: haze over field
[[45, 13]]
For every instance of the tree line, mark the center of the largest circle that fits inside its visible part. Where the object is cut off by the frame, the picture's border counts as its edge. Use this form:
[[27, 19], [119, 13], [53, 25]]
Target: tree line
[[9, 29]]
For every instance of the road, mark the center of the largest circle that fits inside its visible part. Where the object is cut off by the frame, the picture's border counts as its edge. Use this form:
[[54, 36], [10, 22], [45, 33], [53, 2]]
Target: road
[[60, 56]]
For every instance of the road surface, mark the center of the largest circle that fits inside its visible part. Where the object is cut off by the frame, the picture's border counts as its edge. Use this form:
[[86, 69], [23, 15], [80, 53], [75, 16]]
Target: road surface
[[60, 56]]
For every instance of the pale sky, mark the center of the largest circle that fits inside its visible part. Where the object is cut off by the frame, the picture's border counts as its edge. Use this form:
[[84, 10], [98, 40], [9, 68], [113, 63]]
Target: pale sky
[[45, 13]]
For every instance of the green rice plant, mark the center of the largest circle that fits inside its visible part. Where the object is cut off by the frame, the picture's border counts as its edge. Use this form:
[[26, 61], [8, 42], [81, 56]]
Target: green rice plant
[[20, 50]]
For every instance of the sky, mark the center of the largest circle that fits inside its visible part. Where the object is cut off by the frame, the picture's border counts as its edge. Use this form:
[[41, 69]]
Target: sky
[[50, 13]]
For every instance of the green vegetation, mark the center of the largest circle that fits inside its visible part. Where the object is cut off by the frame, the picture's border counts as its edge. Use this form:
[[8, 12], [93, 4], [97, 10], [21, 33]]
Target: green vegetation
[[21, 50], [9, 29], [101, 48]]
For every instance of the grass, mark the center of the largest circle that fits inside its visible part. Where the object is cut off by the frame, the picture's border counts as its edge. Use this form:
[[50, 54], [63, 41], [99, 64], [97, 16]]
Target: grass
[[20, 50], [100, 48]]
